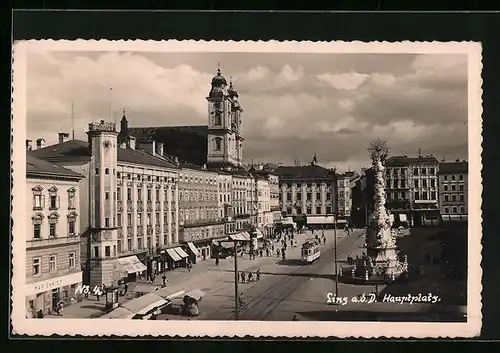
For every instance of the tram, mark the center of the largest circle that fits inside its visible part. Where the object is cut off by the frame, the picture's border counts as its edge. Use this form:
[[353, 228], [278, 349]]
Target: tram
[[310, 251]]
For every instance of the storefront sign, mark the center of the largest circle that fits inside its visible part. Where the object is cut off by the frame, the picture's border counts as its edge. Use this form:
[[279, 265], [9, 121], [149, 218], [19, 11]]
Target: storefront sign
[[49, 284]]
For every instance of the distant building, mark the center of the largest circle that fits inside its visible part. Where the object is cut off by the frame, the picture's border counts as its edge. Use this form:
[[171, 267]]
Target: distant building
[[309, 190], [362, 192], [53, 270], [412, 189], [453, 190], [344, 185]]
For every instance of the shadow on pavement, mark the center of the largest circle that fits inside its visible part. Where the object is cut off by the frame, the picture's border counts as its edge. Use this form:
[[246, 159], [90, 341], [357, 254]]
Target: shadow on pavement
[[93, 307], [291, 262]]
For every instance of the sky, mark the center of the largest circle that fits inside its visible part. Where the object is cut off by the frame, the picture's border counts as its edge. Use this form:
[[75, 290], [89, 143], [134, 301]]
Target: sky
[[295, 105]]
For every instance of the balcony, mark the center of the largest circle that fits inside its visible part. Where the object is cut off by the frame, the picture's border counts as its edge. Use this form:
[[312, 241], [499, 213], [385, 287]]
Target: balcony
[[150, 206], [150, 230], [119, 206], [53, 241], [157, 205], [129, 206], [140, 206], [140, 231], [157, 229]]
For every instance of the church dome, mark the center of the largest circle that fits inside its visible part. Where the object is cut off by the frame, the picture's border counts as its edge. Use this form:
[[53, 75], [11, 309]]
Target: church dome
[[219, 80], [231, 91]]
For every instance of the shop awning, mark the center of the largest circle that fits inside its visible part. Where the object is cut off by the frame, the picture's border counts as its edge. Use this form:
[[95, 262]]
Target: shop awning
[[144, 304], [181, 252], [193, 248], [132, 264], [259, 234], [242, 236], [173, 255], [321, 220], [227, 245]]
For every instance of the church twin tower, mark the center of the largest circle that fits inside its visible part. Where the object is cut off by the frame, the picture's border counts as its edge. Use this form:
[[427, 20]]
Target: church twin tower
[[224, 125]]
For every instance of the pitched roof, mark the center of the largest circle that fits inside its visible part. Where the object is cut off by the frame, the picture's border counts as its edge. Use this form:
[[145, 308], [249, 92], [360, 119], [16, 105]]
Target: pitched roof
[[454, 167], [304, 172], [73, 150], [405, 161], [36, 166], [188, 143]]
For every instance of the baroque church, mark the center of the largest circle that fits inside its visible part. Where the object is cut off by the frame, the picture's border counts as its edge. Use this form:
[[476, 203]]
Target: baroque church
[[217, 145]]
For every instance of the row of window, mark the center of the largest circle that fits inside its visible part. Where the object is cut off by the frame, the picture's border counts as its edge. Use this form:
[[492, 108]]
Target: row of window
[[328, 210], [139, 177], [298, 196], [328, 186], [52, 224], [149, 194], [190, 195], [148, 219], [461, 198], [418, 195], [37, 263], [54, 198], [454, 210], [453, 187]]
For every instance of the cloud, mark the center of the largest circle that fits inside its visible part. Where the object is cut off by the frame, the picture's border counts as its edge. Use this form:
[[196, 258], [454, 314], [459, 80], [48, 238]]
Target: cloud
[[349, 81], [294, 105]]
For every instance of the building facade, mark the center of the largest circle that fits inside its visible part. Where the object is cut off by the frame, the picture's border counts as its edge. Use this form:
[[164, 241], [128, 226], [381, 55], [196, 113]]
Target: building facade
[[130, 202], [453, 191], [344, 185], [200, 217], [308, 190], [240, 212], [362, 192], [412, 189], [53, 270]]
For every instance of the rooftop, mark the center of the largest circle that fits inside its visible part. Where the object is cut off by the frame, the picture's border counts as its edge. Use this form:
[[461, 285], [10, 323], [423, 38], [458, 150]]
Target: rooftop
[[77, 150], [36, 166], [454, 167], [188, 143], [405, 161], [304, 172]]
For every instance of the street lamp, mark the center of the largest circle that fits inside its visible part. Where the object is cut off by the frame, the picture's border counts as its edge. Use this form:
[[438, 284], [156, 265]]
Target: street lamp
[[335, 254], [236, 299]]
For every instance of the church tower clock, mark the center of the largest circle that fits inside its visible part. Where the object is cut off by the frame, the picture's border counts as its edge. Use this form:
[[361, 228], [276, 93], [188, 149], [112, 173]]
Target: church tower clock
[[224, 140]]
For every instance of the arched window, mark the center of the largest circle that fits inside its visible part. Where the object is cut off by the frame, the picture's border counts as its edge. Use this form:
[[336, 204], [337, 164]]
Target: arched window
[[37, 226], [218, 144], [53, 217], [72, 223], [217, 119], [106, 171]]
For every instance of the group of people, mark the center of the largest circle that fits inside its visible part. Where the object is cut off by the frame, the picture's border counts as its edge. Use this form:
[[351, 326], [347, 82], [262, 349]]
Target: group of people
[[249, 278]]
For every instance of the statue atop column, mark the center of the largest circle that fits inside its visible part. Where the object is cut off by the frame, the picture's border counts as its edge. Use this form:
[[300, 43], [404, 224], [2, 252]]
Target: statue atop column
[[380, 241]]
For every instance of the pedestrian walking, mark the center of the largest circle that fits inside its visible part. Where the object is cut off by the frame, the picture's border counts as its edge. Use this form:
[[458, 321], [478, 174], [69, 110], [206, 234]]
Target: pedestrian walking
[[164, 278], [250, 277], [217, 261], [258, 274], [243, 277], [60, 307], [278, 252], [125, 289], [261, 252]]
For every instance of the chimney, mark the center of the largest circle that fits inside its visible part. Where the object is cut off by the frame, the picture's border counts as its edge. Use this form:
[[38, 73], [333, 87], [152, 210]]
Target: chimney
[[40, 143], [457, 160], [159, 148], [28, 145], [131, 142], [63, 137]]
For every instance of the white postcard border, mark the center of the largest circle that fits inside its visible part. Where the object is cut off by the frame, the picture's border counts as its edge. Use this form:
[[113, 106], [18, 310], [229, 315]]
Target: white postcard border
[[102, 327]]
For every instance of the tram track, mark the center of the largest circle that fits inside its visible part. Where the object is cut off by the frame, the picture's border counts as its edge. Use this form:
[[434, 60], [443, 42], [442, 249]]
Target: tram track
[[265, 302]]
